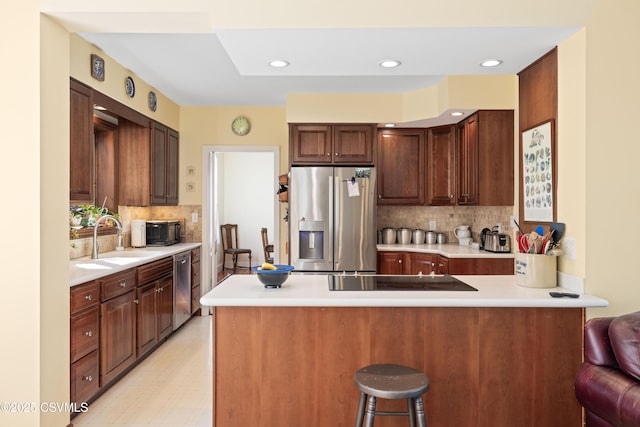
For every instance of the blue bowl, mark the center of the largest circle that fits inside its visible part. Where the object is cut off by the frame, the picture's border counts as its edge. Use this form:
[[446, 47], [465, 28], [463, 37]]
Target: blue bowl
[[273, 278]]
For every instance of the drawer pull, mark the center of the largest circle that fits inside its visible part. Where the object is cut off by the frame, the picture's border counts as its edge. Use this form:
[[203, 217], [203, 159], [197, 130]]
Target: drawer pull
[[123, 284], [89, 333], [88, 297], [87, 378]]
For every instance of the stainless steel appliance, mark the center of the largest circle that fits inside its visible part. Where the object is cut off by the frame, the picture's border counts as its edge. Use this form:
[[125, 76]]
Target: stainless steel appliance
[[181, 288], [492, 241], [162, 232], [332, 219]]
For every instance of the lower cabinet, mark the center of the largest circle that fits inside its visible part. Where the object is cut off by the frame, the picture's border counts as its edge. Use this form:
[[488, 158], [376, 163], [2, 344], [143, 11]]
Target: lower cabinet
[[154, 304], [195, 280], [117, 335], [391, 262], [117, 319]]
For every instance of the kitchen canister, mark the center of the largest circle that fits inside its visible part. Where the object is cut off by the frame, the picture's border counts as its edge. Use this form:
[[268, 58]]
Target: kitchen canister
[[441, 238], [417, 236], [389, 236], [536, 270], [404, 236], [431, 237], [138, 233]]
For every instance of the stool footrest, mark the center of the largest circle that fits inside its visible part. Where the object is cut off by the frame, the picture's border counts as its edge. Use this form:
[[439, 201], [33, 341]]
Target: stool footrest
[[391, 413]]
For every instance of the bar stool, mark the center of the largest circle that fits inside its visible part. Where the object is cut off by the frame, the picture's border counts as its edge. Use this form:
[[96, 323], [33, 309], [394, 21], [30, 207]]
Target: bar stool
[[387, 381]]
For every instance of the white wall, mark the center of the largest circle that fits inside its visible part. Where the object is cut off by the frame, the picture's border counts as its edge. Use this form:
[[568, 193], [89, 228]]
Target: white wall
[[248, 198]]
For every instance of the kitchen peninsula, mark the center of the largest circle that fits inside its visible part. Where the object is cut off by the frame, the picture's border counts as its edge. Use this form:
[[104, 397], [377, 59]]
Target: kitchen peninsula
[[499, 356]]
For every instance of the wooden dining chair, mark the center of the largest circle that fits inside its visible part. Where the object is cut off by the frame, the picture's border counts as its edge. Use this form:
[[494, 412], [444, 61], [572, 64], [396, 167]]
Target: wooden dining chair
[[229, 235], [266, 247]]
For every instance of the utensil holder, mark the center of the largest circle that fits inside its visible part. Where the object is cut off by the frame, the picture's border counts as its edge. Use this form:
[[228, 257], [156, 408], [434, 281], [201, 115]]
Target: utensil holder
[[536, 270]]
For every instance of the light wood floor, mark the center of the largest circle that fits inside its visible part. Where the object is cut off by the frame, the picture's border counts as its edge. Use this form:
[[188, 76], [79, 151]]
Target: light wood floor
[[171, 387]]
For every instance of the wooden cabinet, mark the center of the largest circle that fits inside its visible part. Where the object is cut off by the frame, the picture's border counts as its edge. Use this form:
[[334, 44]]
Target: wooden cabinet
[[154, 304], [441, 171], [318, 144], [485, 150], [422, 263], [148, 164], [84, 339], [488, 266], [117, 336], [164, 165], [401, 167], [467, 153], [426, 263], [496, 157], [391, 262], [117, 324], [81, 145], [195, 280]]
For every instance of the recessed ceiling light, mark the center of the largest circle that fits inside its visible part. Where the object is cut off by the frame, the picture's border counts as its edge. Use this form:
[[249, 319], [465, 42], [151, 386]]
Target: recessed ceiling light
[[389, 63], [278, 63], [390, 125], [457, 113], [491, 63], [99, 107]]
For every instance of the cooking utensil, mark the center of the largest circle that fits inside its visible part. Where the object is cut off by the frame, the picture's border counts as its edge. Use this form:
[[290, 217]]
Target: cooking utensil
[[557, 229], [518, 225]]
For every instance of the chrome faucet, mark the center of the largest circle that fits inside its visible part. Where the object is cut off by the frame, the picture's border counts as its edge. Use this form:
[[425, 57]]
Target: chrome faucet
[[94, 255]]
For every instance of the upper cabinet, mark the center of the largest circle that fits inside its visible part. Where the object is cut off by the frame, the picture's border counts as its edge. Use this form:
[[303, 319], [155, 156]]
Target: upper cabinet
[[441, 177], [164, 165], [148, 158], [120, 156], [401, 167], [318, 144], [469, 163], [82, 150], [495, 170]]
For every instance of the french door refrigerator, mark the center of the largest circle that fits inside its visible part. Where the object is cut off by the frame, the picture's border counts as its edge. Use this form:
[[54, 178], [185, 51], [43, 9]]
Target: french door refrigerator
[[332, 219]]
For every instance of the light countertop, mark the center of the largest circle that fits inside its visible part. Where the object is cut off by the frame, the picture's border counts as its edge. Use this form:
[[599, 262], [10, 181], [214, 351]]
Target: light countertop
[[450, 250], [82, 270], [307, 290]]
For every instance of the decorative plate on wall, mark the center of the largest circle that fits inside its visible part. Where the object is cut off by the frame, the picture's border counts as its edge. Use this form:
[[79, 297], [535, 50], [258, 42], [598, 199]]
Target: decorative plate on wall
[[153, 101], [97, 67], [130, 87]]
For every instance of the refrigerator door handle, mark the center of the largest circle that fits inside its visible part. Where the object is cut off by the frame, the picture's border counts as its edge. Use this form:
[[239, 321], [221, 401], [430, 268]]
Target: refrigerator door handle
[[333, 205]]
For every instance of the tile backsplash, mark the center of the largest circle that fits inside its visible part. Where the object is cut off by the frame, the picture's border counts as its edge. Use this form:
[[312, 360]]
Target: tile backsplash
[[446, 218], [191, 231]]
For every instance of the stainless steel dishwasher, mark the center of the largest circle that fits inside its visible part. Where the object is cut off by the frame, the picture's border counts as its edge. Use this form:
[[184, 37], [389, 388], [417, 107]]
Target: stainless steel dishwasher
[[181, 288]]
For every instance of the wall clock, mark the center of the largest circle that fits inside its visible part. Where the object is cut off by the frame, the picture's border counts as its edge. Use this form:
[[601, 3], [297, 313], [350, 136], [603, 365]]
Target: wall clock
[[241, 126], [153, 101], [97, 67], [130, 87]]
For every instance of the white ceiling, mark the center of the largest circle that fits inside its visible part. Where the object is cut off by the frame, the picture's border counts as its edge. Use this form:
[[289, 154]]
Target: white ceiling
[[228, 66]]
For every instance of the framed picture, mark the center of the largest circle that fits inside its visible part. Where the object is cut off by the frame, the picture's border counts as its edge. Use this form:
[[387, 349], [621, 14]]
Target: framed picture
[[538, 173], [97, 67]]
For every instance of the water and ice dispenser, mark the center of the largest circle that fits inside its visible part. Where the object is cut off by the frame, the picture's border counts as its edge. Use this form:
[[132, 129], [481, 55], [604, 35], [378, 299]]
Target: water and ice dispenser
[[311, 239]]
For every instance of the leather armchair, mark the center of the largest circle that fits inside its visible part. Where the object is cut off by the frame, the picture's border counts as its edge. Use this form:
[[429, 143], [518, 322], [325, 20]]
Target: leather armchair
[[608, 382]]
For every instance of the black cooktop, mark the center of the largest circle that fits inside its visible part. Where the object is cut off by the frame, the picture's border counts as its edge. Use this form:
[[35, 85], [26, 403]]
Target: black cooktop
[[439, 282]]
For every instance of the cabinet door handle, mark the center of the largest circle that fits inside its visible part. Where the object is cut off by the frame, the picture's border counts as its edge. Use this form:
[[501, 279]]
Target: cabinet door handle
[[88, 297], [87, 378], [337, 154], [328, 154], [399, 261], [89, 333], [136, 300], [123, 284]]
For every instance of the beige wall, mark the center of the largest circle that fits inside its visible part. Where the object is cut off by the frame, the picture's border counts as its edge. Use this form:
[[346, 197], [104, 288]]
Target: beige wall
[[167, 112], [612, 200]]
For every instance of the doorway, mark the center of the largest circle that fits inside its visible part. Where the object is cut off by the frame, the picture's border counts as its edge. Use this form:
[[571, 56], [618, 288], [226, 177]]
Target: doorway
[[239, 186]]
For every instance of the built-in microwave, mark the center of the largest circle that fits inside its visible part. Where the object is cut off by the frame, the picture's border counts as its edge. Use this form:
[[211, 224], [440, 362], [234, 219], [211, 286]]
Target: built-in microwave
[[163, 232]]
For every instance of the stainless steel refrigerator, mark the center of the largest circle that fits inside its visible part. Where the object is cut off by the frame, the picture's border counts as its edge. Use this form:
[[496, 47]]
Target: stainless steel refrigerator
[[332, 219]]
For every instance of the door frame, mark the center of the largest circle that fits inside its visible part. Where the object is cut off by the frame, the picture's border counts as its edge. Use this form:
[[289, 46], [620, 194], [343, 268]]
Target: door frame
[[209, 243]]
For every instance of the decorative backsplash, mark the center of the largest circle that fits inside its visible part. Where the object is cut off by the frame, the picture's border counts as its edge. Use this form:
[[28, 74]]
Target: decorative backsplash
[[191, 231], [446, 217]]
